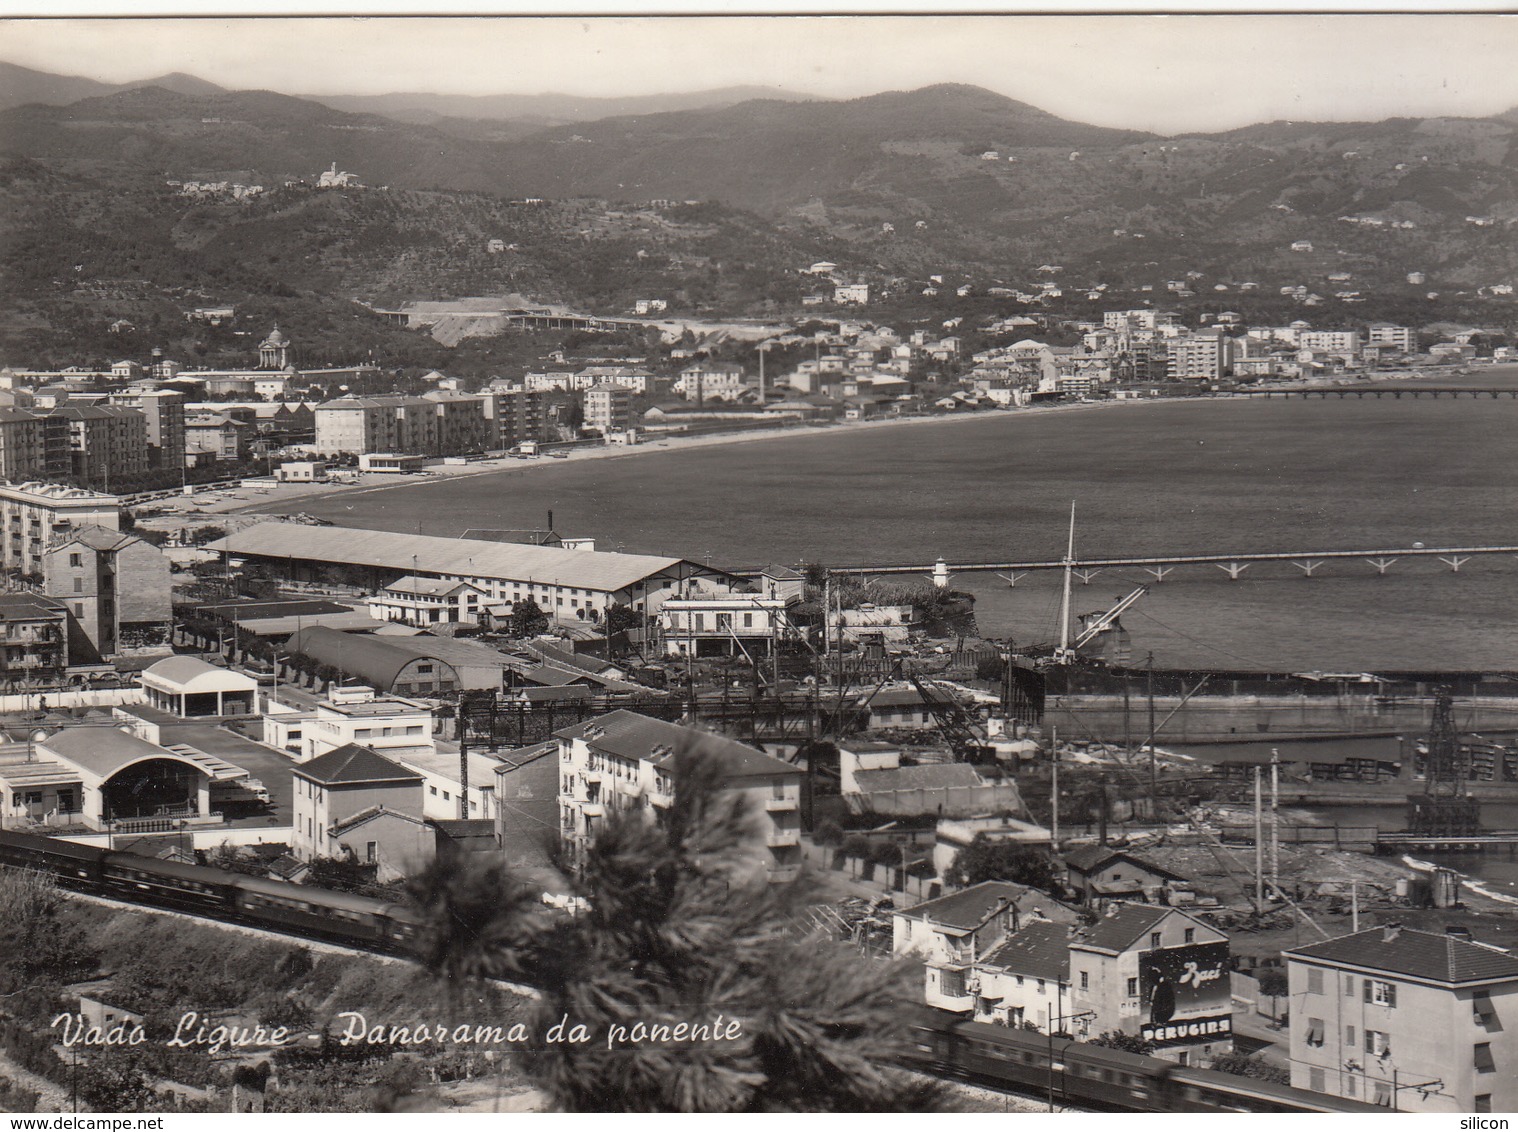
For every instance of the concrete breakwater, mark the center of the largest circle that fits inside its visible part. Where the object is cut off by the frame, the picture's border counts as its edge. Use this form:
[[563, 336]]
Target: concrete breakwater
[[1253, 719]]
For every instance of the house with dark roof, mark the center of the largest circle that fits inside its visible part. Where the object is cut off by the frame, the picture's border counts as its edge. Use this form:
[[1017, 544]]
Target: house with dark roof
[[1100, 872], [1416, 1021], [1026, 979], [1159, 974], [873, 779], [625, 761], [353, 803]]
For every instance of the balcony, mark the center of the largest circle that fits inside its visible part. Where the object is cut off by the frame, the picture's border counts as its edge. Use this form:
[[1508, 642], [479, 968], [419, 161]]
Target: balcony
[[782, 805], [787, 836]]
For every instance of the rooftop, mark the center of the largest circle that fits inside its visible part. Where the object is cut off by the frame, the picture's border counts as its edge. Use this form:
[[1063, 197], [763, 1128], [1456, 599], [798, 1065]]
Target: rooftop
[[1420, 955], [970, 907], [633, 736], [28, 607], [1040, 949], [353, 763], [933, 776], [1120, 928], [468, 558], [189, 674]]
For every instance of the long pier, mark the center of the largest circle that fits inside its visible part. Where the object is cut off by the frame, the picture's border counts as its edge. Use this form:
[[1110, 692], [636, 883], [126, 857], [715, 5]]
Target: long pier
[[1377, 391], [1159, 566]]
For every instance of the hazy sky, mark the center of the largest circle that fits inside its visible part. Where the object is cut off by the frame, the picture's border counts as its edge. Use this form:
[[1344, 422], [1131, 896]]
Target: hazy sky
[[1164, 73]]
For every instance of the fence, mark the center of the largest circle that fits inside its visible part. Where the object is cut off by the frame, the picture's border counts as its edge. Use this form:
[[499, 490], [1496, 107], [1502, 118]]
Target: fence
[[70, 698]]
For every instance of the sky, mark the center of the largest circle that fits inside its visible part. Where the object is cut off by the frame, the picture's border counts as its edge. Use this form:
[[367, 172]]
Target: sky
[[1168, 73]]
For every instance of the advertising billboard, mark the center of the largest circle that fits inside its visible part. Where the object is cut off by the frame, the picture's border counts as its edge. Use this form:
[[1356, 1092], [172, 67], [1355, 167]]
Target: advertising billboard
[[1187, 992]]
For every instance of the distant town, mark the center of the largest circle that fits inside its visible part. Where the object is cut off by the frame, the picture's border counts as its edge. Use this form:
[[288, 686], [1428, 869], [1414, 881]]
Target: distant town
[[334, 709]]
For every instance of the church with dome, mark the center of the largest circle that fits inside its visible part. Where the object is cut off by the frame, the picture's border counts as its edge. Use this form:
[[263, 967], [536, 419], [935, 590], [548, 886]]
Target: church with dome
[[274, 351]]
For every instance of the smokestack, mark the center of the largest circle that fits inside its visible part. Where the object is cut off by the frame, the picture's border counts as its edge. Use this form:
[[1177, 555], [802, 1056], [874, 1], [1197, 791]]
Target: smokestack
[[1390, 932], [550, 519]]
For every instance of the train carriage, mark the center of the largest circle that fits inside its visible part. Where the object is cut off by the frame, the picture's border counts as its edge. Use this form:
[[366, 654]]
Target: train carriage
[[73, 864]]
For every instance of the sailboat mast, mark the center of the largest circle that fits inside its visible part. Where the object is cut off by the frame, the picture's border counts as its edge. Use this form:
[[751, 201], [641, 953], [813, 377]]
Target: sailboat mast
[[1064, 604]]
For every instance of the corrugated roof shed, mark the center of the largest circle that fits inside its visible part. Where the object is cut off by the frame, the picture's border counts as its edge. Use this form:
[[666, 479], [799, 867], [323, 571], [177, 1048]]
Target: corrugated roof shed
[[1420, 955], [602, 571]]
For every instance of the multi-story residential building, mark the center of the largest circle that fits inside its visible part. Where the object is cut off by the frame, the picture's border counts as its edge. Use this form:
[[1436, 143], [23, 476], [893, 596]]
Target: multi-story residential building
[[163, 411], [1399, 338], [640, 381], [706, 381], [1343, 342], [1198, 357], [462, 423], [723, 624], [227, 439], [116, 585], [34, 515], [353, 803], [427, 601], [106, 442], [1025, 981], [1407, 1019], [513, 416], [624, 761], [33, 446], [438, 424], [608, 408], [1158, 974], [34, 634], [549, 380], [851, 293]]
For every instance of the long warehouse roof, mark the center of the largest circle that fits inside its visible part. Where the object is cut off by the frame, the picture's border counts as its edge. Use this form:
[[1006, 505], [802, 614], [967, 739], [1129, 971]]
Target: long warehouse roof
[[465, 558]]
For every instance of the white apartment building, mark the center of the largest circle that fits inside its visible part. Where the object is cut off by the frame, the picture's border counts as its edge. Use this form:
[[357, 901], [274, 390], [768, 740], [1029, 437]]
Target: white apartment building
[[1198, 357], [608, 408], [33, 515], [1346, 342], [723, 624], [624, 761], [1400, 338]]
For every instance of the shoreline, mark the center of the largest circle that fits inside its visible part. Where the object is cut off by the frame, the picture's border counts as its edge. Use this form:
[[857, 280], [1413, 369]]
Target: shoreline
[[673, 443]]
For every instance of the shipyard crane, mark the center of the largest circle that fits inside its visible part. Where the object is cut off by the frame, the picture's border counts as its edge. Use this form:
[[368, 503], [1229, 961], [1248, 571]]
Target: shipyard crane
[[1100, 623]]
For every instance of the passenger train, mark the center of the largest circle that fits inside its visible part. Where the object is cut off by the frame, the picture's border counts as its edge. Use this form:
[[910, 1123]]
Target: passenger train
[[1076, 1073], [315, 913]]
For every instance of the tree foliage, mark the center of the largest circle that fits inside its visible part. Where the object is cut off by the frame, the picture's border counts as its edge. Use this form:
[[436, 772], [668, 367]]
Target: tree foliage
[[1241, 1065], [678, 925], [986, 859], [1116, 1039]]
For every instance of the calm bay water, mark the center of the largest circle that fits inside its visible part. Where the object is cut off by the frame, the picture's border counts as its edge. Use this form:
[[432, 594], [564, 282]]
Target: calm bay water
[[1164, 478]]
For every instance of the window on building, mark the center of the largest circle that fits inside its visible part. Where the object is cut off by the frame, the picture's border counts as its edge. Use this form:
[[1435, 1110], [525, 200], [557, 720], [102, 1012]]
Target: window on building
[[371, 852], [1482, 1058], [1015, 1019], [1377, 1043], [951, 983], [1133, 988], [1482, 1010], [1349, 1083], [424, 669], [1349, 1035], [1315, 1080], [76, 560], [1349, 985], [1040, 986], [1378, 993], [1085, 981], [1314, 1031], [1383, 1094], [1190, 935], [1483, 1103], [445, 795], [1154, 939], [1315, 980], [78, 585]]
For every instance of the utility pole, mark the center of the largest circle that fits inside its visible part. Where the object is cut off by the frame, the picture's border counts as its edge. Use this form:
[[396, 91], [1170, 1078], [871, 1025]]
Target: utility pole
[[1259, 848], [1054, 788], [463, 730], [1154, 791], [1275, 818]]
